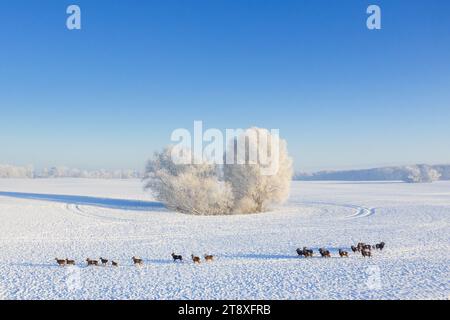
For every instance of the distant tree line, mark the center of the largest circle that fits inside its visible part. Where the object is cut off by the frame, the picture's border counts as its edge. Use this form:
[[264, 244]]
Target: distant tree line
[[411, 174], [9, 171]]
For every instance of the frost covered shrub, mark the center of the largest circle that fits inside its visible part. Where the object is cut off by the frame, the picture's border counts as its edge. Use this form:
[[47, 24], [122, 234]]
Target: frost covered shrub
[[421, 173], [187, 188], [207, 189], [254, 189]]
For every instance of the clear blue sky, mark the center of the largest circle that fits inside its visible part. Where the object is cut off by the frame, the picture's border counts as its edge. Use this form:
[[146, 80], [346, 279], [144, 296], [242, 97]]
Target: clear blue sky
[[110, 94]]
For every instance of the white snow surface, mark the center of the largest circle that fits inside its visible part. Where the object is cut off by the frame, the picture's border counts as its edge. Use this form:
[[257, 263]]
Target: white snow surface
[[255, 254]]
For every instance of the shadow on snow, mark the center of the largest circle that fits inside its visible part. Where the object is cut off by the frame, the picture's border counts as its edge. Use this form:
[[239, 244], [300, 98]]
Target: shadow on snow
[[135, 205]]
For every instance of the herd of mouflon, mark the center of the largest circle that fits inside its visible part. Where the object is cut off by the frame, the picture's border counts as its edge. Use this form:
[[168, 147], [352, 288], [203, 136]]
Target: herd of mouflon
[[363, 248], [136, 261]]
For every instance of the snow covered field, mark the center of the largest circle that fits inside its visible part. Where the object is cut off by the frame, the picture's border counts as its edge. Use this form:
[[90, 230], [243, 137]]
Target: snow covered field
[[255, 254]]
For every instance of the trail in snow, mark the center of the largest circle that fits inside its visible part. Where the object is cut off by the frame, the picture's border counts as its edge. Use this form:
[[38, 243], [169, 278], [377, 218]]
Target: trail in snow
[[360, 211]]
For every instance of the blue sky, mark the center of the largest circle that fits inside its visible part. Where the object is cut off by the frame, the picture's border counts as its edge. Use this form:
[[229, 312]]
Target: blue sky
[[110, 94]]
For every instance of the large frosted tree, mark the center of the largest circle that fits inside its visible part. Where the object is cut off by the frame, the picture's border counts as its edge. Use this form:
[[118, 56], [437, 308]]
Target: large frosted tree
[[263, 181], [258, 177], [187, 188]]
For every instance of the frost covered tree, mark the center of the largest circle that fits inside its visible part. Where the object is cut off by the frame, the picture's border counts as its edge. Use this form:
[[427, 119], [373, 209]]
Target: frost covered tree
[[421, 173], [261, 171], [257, 174], [9, 171], [187, 188]]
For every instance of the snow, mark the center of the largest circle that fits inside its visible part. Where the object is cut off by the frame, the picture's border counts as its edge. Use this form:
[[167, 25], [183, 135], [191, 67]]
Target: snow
[[255, 254]]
